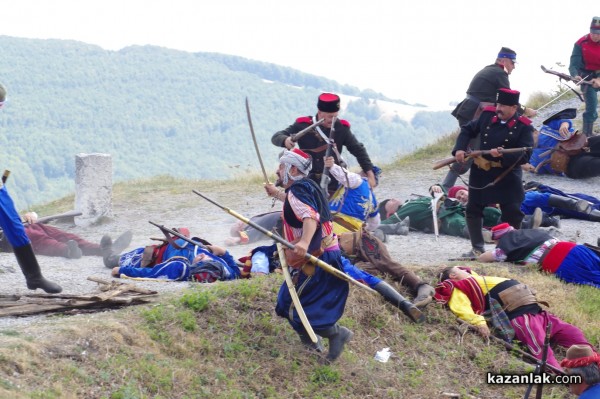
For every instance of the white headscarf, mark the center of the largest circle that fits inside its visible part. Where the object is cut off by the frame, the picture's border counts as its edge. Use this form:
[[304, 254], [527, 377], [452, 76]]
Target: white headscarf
[[298, 158]]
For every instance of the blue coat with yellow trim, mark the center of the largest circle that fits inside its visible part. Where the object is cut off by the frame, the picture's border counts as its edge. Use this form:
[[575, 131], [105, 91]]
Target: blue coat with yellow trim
[[516, 132]]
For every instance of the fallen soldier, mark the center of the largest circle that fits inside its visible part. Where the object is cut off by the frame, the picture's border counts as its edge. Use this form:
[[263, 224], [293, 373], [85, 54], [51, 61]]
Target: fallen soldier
[[52, 241], [178, 260], [570, 262], [468, 294]]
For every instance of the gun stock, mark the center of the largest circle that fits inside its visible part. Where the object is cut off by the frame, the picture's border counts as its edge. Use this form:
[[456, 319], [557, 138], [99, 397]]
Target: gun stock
[[298, 136], [566, 77], [447, 161], [63, 215]]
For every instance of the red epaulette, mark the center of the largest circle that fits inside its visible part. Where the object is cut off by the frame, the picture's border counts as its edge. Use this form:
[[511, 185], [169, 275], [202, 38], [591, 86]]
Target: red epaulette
[[304, 119], [345, 122], [490, 108], [525, 120]]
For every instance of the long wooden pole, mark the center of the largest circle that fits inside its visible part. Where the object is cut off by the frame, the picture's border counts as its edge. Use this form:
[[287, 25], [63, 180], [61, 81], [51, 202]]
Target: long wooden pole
[[325, 266]]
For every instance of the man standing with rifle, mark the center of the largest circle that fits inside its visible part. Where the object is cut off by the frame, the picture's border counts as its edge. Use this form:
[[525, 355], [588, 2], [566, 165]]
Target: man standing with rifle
[[585, 65], [496, 177], [480, 94], [316, 141], [10, 222]]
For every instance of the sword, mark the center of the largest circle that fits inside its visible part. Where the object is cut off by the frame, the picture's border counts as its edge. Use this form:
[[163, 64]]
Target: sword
[[255, 143], [434, 203], [294, 295], [325, 266]]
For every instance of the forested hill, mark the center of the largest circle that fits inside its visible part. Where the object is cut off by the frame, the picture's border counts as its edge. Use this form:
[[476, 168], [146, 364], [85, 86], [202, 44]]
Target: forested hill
[[161, 111]]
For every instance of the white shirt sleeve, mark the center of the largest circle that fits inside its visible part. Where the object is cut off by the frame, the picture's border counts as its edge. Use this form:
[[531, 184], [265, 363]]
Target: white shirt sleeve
[[352, 180]]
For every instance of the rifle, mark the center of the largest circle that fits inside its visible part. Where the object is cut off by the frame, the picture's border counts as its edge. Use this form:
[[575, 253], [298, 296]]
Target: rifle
[[166, 231], [566, 77], [513, 348], [539, 367], [297, 136], [325, 179], [447, 161], [63, 215]]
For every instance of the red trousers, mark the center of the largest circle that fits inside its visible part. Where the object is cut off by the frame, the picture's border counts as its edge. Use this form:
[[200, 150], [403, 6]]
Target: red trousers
[[51, 241], [530, 329]]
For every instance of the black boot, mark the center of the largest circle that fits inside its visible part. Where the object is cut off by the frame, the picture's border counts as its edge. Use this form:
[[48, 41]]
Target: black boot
[[594, 215], [588, 128], [31, 271], [475, 226], [533, 221], [570, 204], [109, 258], [400, 228], [392, 296], [338, 336], [550, 221], [121, 242], [306, 341]]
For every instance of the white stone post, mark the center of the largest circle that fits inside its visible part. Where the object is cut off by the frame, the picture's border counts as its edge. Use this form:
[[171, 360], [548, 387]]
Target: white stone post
[[93, 187]]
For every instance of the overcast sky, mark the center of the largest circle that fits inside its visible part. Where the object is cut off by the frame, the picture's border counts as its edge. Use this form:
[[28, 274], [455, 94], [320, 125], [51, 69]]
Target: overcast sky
[[418, 51]]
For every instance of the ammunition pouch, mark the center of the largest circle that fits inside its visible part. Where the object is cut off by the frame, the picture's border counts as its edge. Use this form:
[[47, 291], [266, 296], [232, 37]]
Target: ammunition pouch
[[564, 150], [516, 296], [486, 164]]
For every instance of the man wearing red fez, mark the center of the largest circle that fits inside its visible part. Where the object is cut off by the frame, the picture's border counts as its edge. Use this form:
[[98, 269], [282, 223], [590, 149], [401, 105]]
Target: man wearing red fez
[[315, 142], [495, 178], [585, 64]]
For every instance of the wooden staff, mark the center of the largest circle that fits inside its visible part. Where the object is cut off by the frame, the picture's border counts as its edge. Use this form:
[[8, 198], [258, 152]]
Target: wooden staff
[[325, 266]]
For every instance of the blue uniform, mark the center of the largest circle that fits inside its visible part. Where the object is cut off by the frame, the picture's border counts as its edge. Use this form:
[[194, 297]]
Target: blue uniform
[[177, 263]]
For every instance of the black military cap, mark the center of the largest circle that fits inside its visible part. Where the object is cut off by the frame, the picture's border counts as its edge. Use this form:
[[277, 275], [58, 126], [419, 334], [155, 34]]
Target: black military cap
[[567, 113]]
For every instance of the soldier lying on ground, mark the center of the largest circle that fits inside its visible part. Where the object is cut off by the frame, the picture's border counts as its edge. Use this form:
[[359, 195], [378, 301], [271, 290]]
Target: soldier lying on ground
[[450, 213], [52, 241], [570, 262], [467, 294], [178, 260]]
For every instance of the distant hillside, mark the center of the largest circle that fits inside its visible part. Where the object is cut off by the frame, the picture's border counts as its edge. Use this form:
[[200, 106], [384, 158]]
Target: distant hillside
[[161, 111]]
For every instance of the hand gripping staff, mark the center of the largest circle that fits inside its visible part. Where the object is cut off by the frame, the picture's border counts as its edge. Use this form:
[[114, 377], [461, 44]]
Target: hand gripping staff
[[294, 295], [325, 266]]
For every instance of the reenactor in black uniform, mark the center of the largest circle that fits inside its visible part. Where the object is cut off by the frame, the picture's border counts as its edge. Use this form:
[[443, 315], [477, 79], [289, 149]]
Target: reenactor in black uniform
[[495, 178], [315, 144], [480, 94]]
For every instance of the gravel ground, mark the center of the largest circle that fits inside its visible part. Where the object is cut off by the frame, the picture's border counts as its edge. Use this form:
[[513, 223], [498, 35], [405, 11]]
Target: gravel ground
[[208, 221]]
